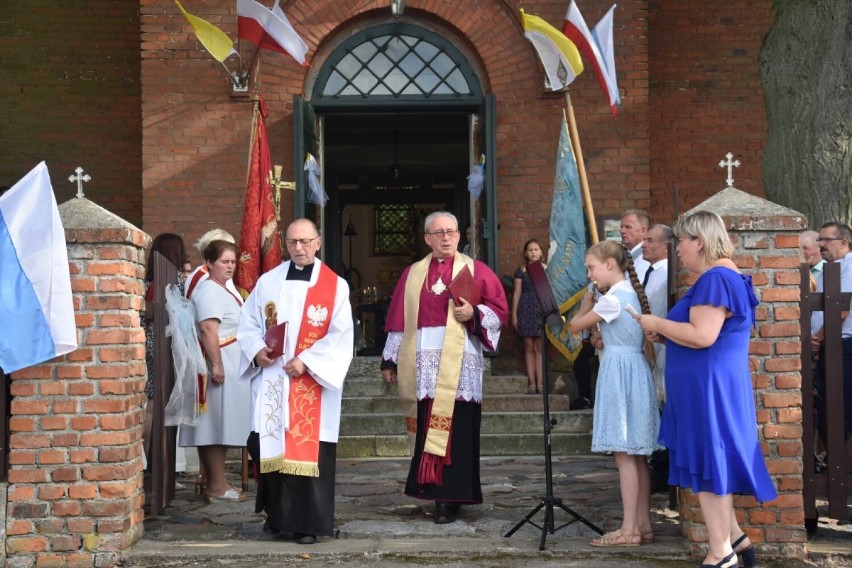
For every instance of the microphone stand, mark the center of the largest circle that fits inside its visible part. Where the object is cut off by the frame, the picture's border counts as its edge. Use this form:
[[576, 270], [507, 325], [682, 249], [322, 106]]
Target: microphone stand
[[552, 316]]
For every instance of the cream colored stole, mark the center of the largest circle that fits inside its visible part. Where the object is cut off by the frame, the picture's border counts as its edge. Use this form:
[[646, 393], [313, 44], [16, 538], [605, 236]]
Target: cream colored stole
[[449, 369]]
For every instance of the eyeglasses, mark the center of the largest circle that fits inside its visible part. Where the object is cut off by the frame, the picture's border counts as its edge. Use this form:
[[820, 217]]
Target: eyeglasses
[[304, 242], [826, 239], [448, 232]]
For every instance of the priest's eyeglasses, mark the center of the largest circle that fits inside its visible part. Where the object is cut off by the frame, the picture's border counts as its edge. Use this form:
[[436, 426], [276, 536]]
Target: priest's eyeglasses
[[304, 242], [448, 232]]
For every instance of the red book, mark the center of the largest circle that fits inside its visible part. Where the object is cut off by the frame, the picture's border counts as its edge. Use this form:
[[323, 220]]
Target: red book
[[464, 286], [276, 339]]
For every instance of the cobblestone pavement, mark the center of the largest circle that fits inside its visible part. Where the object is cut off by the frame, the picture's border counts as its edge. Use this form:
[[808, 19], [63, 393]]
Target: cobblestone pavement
[[378, 526]]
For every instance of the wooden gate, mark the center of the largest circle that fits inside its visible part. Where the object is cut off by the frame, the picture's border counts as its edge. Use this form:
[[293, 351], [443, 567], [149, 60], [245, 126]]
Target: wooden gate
[[162, 448], [832, 483]]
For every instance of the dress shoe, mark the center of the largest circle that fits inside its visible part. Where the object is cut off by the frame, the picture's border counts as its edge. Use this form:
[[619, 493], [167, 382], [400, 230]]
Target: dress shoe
[[301, 538], [445, 512], [581, 403]]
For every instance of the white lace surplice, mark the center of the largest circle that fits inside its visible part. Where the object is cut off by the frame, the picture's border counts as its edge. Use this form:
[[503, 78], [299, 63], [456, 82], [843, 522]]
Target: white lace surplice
[[429, 343]]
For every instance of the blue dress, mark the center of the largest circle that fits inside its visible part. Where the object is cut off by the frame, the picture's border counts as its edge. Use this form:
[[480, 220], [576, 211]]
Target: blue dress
[[627, 415], [709, 422]]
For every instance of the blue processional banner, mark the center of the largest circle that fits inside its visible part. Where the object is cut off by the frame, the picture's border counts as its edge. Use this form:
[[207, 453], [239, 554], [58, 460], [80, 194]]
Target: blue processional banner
[[566, 269]]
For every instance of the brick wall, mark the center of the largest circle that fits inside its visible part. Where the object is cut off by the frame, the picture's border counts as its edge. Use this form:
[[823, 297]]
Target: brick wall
[[766, 239], [195, 141], [70, 97], [706, 98], [75, 479]]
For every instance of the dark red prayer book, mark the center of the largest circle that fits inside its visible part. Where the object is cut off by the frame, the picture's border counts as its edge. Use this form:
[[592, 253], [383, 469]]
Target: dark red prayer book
[[464, 286], [276, 338]]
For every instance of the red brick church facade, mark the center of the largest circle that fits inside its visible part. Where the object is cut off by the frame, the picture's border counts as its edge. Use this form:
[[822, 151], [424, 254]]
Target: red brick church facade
[[127, 92]]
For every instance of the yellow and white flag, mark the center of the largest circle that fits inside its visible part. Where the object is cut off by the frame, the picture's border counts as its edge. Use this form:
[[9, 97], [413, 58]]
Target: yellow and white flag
[[212, 38]]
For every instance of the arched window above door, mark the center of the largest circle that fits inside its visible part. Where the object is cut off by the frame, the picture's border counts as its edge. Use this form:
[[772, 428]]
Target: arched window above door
[[396, 62]]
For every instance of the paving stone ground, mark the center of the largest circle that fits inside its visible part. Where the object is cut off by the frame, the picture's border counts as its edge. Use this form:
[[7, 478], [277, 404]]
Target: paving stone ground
[[378, 526]]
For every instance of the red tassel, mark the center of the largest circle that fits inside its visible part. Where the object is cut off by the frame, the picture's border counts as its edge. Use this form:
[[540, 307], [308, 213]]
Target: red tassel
[[431, 468]]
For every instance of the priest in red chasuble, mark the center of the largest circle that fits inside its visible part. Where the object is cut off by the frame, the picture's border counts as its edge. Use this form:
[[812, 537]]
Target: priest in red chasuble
[[434, 352], [296, 397]]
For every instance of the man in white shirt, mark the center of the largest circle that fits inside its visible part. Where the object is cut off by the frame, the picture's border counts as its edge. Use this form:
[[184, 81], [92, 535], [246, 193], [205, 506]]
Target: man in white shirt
[[655, 250], [634, 225]]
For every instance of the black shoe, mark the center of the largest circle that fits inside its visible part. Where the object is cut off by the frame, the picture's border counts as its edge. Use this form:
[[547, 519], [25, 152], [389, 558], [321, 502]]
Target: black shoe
[[304, 538], [267, 528], [747, 554], [581, 403], [445, 512], [724, 563]]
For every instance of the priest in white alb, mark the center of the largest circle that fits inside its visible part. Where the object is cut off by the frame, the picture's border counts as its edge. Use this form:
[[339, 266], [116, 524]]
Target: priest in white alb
[[434, 350], [296, 397]]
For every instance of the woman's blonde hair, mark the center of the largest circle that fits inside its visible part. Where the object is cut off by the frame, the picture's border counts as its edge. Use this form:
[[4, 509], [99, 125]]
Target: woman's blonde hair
[[710, 228]]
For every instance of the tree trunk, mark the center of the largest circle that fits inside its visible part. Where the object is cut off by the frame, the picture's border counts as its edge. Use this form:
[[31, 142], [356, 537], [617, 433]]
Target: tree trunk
[[806, 69]]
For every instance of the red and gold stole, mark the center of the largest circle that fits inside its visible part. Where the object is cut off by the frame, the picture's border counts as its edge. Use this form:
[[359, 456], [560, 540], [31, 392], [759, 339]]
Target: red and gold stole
[[301, 441]]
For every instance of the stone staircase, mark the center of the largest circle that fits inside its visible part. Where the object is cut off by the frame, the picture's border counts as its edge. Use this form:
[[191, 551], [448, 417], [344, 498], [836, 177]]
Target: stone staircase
[[372, 423]]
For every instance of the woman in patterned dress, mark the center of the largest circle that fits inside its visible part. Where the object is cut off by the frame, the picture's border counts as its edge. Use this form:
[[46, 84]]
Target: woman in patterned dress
[[526, 316]]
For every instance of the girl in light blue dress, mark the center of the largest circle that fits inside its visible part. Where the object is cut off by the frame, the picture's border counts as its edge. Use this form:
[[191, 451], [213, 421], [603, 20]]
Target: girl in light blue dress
[[626, 417]]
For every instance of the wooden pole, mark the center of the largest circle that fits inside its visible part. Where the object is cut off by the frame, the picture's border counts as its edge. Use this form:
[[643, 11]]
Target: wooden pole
[[581, 168]]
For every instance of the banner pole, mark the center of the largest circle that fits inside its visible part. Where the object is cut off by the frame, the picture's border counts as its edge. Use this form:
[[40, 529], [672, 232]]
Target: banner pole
[[581, 168]]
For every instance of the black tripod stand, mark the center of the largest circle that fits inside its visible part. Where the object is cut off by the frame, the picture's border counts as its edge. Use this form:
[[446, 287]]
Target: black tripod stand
[[551, 316]]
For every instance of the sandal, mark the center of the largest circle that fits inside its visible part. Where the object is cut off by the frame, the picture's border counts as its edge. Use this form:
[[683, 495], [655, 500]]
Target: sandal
[[229, 496], [617, 539], [746, 553], [531, 389], [648, 537]]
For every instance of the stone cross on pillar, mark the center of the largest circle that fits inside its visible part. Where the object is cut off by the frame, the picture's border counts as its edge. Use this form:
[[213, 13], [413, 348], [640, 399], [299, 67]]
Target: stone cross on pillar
[[79, 178], [730, 165]]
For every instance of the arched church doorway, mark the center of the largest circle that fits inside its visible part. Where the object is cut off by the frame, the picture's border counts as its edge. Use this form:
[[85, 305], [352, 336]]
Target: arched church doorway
[[398, 119]]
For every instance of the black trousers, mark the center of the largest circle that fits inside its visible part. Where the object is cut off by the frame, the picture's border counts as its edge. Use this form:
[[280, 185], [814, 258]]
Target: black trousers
[[819, 379], [295, 503]]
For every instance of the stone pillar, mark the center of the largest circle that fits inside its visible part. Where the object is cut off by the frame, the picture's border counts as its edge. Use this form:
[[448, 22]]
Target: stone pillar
[[766, 246], [75, 493]]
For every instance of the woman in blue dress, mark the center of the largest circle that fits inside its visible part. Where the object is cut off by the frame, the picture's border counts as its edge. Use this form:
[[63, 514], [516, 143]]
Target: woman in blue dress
[[626, 417], [709, 422]]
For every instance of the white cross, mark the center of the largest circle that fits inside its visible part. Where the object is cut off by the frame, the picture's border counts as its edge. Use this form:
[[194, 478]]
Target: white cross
[[79, 178], [730, 165]]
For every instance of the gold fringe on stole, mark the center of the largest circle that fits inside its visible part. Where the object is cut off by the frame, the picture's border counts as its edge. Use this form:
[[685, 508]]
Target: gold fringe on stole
[[271, 465], [307, 469]]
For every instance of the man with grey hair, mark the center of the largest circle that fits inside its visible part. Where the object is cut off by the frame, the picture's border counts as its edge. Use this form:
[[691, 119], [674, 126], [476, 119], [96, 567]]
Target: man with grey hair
[[810, 252], [634, 226], [434, 352]]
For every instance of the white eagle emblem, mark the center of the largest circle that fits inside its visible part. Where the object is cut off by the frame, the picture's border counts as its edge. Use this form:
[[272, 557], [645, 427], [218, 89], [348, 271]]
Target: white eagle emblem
[[317, 315]]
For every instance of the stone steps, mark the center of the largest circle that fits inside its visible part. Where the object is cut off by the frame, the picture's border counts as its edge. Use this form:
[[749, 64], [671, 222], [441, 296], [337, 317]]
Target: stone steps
[[372, 423]]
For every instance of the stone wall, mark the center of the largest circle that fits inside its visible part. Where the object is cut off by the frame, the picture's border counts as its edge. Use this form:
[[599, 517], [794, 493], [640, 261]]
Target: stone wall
[[75, 479], [766, 239]]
